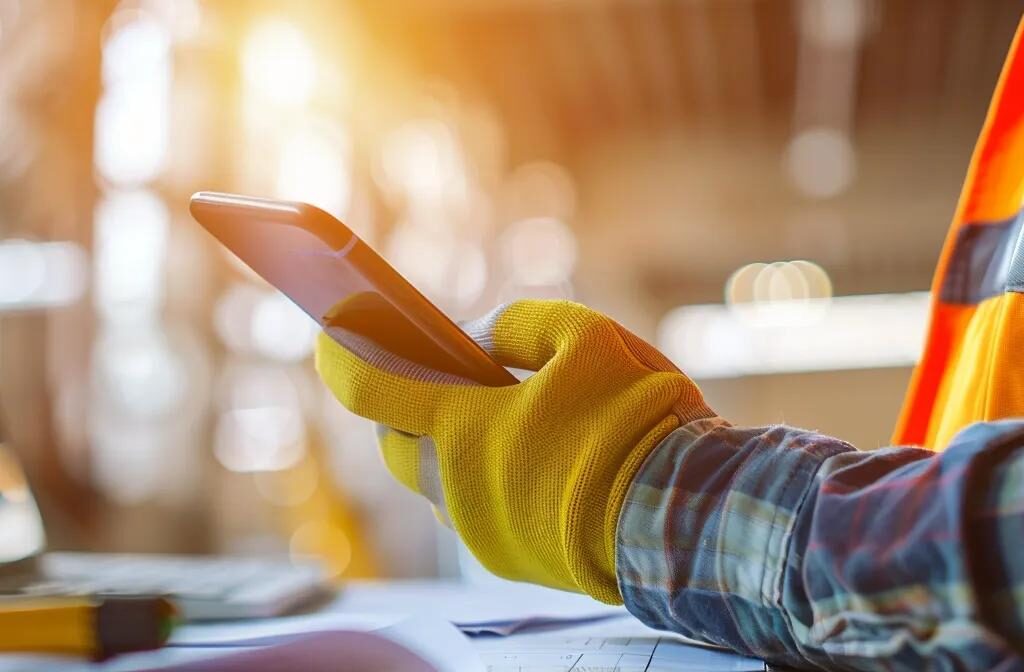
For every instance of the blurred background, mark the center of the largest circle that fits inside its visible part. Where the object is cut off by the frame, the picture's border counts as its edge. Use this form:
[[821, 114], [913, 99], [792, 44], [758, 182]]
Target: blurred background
[[760, 187]]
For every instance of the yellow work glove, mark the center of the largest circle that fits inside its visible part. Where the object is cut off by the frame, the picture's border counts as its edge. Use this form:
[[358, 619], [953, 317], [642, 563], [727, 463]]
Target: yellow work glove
[[532, 476]]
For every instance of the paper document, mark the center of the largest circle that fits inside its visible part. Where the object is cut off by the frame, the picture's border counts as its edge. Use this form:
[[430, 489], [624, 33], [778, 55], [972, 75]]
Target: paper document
[[615, 645], [506, 627], [553, 653]]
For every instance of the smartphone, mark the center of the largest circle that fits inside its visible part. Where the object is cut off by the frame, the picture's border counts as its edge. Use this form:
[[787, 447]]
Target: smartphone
[[338, 280]]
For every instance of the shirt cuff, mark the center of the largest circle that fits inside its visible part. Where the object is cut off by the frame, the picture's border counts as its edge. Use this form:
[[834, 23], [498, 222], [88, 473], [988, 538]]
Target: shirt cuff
[[703, 536]]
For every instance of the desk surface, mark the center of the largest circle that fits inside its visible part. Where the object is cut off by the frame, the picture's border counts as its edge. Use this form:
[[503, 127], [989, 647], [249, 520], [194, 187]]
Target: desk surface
[[610, 635]]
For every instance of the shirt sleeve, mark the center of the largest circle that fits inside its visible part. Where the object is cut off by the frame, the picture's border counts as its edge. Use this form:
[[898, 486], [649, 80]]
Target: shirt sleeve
[[794, 547]]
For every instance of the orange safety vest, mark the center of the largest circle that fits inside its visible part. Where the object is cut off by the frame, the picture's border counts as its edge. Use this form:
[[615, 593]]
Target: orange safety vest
[[973, 363]]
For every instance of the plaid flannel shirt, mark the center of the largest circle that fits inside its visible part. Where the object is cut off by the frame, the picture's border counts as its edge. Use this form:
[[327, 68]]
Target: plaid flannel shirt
[[794, 547]]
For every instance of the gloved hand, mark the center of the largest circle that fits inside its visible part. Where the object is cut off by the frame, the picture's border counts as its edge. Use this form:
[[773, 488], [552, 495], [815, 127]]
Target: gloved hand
[[532, 476]]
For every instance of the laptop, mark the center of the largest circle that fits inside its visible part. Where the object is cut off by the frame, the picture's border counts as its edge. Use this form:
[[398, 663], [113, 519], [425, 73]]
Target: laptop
[[203, 588]]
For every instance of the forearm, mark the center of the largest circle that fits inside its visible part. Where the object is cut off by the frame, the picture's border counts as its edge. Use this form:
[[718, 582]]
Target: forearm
[[794, 547]]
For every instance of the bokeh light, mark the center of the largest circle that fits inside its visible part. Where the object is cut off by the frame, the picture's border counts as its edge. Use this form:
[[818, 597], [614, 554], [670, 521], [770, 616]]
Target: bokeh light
[[798, 280], [132, 117], [323, 541], [314, 168], [713, 341], [448, 269], [131, 140], [739, 288], [148, 391], [539, 251], [834, 24], [140, 371], [261, 426], [130, 241], [280, 330], [232, 315], [182, 18], [137, 46], [821, 162], [782, 292], [263, 438], [128, 461], [780, 281], [22, 271], [278, 63], [815, 278], [421, 161], [290, 488], [471, 275], [539, 189]]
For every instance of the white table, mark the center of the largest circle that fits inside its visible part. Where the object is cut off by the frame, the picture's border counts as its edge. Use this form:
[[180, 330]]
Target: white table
[[420, 615]]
